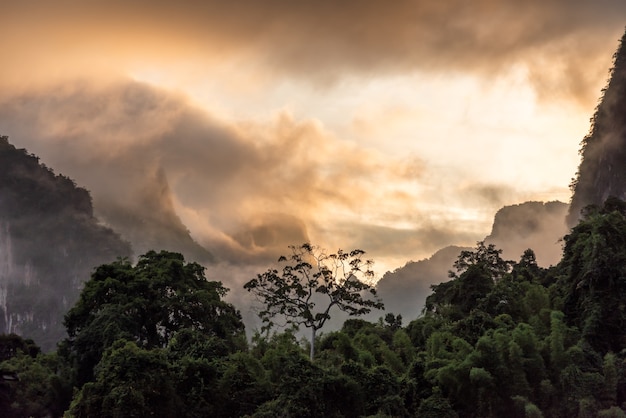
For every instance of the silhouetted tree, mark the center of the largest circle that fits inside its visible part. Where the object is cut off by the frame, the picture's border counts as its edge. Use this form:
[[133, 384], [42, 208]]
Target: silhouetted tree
[[312, 284]]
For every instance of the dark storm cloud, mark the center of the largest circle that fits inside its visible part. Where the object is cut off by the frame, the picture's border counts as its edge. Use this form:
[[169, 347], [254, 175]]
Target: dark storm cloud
[[564, 43]]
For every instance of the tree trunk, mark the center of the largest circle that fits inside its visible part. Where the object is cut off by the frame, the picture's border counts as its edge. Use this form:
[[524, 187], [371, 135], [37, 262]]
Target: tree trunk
[[312, 353]]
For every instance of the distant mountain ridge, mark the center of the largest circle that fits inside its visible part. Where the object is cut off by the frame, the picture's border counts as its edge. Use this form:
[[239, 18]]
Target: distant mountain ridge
[[50, 242], [535, 225], [404, 290]]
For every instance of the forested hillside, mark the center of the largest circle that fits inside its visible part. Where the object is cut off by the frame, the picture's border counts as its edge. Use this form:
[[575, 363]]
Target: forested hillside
[[49, 244], [500, 338]]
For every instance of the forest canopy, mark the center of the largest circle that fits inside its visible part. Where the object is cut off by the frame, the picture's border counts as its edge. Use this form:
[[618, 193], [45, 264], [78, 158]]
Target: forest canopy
[[500, 338]]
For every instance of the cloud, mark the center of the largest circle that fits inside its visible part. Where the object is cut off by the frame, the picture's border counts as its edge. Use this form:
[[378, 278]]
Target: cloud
[[246, 190], [389, 242], [160, 168], [489, 195], [321, 41]]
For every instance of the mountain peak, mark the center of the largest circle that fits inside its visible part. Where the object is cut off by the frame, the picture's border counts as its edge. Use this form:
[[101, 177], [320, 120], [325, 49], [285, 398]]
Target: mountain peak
[[602, 171]]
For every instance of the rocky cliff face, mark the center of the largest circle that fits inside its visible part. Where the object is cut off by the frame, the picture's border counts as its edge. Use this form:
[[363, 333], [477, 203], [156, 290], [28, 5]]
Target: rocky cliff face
[[49, 244], [536, 225], [602, 171]]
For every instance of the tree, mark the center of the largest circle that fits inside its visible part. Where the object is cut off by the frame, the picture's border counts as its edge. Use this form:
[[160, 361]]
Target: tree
[[148, 304], [130, 381], [41, 387], [487, 257], [311, 285], [12, 344], [477, 271], [436, 406], [592, 275]]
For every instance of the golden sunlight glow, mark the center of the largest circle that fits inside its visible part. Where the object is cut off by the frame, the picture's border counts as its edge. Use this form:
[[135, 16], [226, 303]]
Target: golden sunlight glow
[[353, 133], [434, 138]]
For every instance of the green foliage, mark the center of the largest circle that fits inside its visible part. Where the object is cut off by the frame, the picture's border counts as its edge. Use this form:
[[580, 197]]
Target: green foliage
[[612, 412], [43, 388], [12, 345], [294, 294], [436, 406], [159, 341], [610, 371], [592, 276], [147, 303], [130, 382], [485, 256], [476, 274], [531, 411], [245, 382], [303, 388], [493, 341]]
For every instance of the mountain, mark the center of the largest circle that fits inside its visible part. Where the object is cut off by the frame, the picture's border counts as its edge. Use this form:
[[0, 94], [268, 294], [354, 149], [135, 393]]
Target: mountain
[[602, 171], [149, 220], [535, 225], [405, 289], [50, 242]]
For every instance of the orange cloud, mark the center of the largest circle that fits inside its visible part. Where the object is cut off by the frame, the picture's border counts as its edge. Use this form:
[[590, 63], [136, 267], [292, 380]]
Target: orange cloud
[[244, 189], [313, 40]]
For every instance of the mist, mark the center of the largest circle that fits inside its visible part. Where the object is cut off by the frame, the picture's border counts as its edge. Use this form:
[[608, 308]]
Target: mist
[[234, 195], [243, 191], [229, 131]]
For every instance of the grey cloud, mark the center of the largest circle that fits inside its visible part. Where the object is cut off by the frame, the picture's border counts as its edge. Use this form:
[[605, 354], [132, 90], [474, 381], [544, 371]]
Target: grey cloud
[[490, 195], [249, 190], [129, 144], [388, 241], [562, 41]]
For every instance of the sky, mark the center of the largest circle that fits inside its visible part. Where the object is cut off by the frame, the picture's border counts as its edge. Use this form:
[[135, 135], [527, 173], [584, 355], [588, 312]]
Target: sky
[[395, 127]]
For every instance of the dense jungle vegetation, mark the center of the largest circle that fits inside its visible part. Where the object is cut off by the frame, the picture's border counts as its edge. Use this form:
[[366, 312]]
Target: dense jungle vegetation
[[500, 338]]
